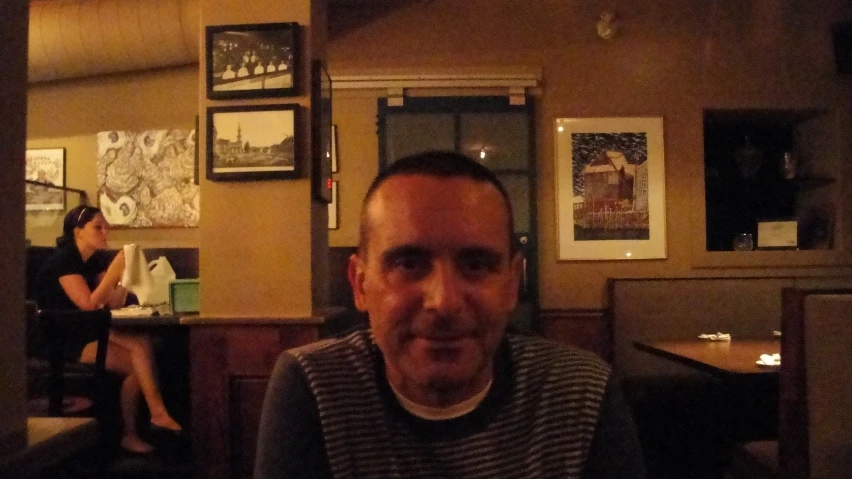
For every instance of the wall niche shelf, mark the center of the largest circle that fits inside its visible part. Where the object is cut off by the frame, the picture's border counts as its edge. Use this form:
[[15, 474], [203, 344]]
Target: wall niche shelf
[[745, 181]]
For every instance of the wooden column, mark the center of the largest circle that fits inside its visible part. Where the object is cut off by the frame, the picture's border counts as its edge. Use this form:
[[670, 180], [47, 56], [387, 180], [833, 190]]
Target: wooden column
[[264, 244], [13, 111], [263, 257]]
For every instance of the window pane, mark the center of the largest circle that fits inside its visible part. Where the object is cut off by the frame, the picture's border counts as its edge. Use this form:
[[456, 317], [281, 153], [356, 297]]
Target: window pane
[[518, 188], [410, 133], [503, 137]]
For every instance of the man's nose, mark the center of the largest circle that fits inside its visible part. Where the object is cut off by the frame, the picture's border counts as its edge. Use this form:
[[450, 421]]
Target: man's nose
[[442, 289]]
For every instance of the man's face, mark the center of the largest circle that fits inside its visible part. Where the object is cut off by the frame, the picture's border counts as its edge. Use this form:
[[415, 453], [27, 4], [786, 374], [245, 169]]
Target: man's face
[[438, 280]]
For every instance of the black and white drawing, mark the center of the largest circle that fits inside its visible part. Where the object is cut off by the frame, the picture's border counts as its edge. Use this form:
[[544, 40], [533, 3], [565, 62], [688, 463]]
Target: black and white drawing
[[146, 178]]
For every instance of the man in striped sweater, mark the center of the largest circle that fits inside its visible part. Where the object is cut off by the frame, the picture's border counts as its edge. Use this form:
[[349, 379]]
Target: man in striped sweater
[[436, 387]]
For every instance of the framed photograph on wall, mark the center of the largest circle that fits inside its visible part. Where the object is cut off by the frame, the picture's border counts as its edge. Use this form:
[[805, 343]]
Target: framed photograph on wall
[[321, 131], [251, 142], [252, 60], [333, 220], [334, 149], [45, 166], [610, 188]]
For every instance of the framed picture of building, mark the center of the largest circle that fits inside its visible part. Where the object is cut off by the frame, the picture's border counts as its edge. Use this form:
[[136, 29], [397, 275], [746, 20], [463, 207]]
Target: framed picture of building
[[610, 188], [252, 60], [45, 169], [255, 142]]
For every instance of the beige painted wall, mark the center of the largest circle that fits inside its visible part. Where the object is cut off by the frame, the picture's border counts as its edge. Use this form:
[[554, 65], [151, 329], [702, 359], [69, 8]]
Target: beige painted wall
[[673, 59], [69, 114], [261, 252]]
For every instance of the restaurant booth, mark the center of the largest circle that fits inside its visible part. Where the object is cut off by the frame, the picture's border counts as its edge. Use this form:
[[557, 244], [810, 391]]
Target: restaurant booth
[[724, 79]]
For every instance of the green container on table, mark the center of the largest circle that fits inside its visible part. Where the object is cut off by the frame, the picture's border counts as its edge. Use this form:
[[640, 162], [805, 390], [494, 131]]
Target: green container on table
[[183, 295]]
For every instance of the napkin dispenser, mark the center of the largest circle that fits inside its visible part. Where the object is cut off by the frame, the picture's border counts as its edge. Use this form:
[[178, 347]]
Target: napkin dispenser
[[183, 295]]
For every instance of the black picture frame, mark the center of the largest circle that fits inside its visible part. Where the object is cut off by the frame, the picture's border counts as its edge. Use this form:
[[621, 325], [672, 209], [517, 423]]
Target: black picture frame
[[321, 107], [196, 177], [258, 60], [269, 151]]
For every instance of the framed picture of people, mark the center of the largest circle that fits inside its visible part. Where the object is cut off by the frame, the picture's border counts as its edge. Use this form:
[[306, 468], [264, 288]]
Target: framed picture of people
[[45, 169], [252, 60]]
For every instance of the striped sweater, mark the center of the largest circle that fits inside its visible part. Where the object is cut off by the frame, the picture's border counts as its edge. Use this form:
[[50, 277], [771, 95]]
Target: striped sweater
[[537, 420]]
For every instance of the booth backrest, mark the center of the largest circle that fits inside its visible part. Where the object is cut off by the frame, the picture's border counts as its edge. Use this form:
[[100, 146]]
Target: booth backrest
[[183, 260], [815, 410], [682, 308]]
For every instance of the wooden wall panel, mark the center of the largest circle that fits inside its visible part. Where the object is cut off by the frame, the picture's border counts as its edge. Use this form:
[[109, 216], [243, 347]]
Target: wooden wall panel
[[230, 367], [589, 329], [247, 396]]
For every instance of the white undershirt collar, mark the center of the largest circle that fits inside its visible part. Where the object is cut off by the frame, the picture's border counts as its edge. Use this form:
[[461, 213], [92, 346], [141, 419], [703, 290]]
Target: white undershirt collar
[[438, 413]]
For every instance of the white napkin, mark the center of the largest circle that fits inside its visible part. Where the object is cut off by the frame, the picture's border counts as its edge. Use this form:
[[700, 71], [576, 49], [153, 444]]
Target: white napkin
[[770, 359], [715, 336], [137, 277]]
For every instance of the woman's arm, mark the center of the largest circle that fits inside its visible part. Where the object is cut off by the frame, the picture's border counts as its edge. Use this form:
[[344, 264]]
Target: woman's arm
[[118, 297], [78, 291]]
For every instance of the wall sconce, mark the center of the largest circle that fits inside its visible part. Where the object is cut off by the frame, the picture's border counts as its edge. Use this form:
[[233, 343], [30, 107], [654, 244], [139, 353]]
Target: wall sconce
[[608, 25]]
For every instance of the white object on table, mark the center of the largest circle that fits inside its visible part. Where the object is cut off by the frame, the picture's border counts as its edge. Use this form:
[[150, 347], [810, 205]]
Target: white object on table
[[715, 336]]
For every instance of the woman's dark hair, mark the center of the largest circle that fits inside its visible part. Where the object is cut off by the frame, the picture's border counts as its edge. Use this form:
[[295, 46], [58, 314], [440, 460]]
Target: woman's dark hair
[[76, 218]]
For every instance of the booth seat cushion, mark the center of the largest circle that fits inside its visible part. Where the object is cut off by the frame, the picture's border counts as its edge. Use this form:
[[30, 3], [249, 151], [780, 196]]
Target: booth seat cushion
[[754, 460]]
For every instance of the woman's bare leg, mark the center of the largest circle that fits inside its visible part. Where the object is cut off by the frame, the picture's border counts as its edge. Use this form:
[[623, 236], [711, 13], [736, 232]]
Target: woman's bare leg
[[118, 361], [141, 358]]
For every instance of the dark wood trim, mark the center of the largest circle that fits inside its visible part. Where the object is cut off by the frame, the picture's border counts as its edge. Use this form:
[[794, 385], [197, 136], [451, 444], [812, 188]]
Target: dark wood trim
[[230, 365], [590, 329]]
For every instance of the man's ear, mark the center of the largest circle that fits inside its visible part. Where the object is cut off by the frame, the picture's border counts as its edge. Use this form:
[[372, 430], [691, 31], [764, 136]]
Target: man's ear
[[517, 269], [355, 272]]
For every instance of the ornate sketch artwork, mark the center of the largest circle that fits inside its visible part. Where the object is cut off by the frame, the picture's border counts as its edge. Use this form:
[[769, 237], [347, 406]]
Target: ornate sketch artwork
[[611, 188], [146, 179]]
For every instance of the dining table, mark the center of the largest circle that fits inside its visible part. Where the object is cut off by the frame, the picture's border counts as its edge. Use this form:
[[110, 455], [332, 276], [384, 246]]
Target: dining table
[[718, 358], [749, 390]]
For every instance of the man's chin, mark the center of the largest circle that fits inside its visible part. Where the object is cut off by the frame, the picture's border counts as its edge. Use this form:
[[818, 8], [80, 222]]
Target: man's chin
[[444, 376]]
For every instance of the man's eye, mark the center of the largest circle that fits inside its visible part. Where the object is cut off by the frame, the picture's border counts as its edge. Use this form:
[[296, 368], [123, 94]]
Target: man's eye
[[410, 263], [478, 264]]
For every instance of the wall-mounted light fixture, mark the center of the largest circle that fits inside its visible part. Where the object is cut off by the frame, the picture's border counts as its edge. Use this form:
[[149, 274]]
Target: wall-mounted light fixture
[[608, 25]]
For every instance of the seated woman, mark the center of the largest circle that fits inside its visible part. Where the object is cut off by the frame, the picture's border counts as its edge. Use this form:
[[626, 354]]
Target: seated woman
[[79, 275]]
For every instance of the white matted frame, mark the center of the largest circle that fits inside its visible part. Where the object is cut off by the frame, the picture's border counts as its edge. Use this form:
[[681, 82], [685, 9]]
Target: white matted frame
[[610, 188], [334, 168], [333, 220], [47, 166]]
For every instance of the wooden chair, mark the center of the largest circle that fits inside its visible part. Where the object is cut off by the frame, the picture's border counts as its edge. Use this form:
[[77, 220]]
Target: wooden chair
[[57, 381], [815, 407]]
